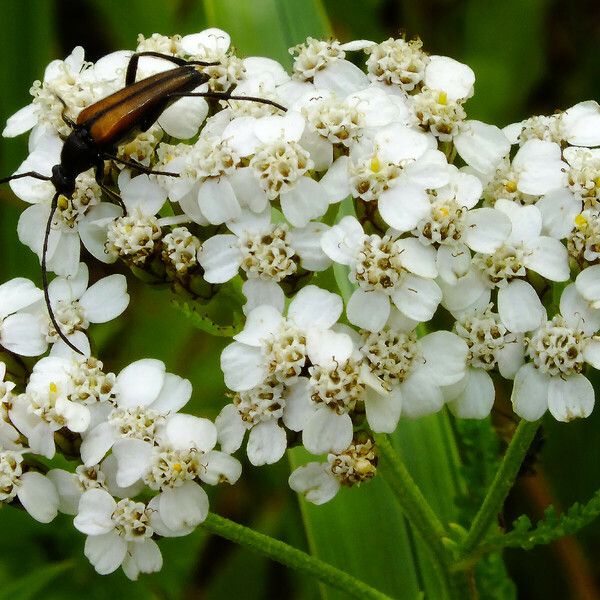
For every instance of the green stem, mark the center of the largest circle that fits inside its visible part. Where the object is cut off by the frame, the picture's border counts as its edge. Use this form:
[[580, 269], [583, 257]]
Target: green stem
[[415, 507], [503, 482], [291, 557]]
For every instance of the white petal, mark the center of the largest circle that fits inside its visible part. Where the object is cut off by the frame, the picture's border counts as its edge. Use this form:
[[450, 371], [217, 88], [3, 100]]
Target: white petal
[[21, 121], [315, 307], [588, 283], [420, 395], [220, 257], [106, 299], [217, 201], [315, 482], [261, 291], [342, 77], [38, 496], [570, 398], [577, 311], [298, 405], [275, 127], [187, 431], [307, 200], [220, 468], [106, 552], [417, 258], [519, 307], [22, 334], [96, 444], [247, 189], [397, 143], [548, 257], [559, 209], [591, 353], [16, 294], [326, 431], [486, 229], [368, 309], [174, 394], [581, 124], [448, 75], [342, 242], [327, 348], [453, 262], [336, 181], [183, 118], [134, 458], [230, 428], [526, 221], [445, 357], [307, 244], [541, 168], [477, 398], [183, 506], [139, 383], [68, 490], [403, 206], [383, 412], [481, 146], [266, 444], [141, 193], [417, 298], [530, 393], [511, 357], [142, 557], [242, 367], [261, 324], [94, 514]]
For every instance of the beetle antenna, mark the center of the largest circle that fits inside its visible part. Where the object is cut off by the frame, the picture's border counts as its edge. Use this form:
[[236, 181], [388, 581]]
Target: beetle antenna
[[28, 174], [53, 319], [226, 96]]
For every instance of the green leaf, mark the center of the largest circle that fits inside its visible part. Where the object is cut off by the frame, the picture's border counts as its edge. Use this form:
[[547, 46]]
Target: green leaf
[[281, 24], [362, 532], [31, 585]]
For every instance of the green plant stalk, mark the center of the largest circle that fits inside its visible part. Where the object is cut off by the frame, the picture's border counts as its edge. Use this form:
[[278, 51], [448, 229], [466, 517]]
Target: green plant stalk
[[501, 485], [415, 507], [291, 557]]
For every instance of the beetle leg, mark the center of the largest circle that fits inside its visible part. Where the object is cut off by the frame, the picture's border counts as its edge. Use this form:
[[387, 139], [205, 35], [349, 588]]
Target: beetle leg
[[110, 193], [138, 166], [132, 66], [27, 174]]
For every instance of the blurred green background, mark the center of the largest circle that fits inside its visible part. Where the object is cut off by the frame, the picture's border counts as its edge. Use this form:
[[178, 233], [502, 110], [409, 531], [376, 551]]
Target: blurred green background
[[529, 56]]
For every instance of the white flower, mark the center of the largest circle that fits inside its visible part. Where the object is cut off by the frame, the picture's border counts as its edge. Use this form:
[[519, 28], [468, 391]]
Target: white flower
[[584, 166], [588, 286], [320, 482], [262, 249], [272, 345], [385, 269], [108, 234], [324, 63], [49, 403], [181, 453], [119, 534], [481, 146], [491, 345], [71, 486], [144, 396], [35, 492], [75, 307], [397, 62], [21, 322], [559, 350], [407, 374]]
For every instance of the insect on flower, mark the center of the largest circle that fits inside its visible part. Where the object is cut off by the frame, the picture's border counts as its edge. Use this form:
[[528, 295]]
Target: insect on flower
[[100, 127]]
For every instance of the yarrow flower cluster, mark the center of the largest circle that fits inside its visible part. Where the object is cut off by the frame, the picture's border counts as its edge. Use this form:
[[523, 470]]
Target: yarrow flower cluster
[[386, 257]]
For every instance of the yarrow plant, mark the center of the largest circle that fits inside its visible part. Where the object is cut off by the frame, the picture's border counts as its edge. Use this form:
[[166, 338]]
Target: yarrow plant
[[385, 258]]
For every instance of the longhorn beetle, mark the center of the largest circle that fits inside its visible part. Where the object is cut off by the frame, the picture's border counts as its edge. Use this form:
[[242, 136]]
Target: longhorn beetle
[[101, 126]]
